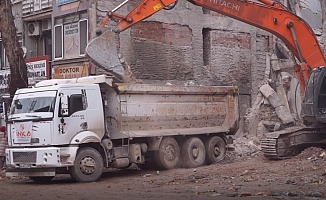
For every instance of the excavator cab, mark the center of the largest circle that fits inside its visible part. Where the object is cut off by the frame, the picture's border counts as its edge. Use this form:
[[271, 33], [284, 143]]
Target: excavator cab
[[314, 104]]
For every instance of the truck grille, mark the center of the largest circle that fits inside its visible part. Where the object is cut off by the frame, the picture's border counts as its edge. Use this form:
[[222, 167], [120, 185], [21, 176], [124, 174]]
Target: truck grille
[[24, 157]]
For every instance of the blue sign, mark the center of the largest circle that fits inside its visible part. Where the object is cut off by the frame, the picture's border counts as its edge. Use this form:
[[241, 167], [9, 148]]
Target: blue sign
[[62, 2]]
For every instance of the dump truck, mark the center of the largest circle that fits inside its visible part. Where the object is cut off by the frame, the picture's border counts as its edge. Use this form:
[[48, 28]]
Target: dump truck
[[84, 125]]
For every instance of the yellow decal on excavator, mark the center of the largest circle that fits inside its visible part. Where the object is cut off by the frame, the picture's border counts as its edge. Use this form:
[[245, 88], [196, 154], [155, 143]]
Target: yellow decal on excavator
[[157, 7]]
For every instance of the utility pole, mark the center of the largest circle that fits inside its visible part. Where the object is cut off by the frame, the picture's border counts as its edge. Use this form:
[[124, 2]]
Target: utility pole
[[14, 53]]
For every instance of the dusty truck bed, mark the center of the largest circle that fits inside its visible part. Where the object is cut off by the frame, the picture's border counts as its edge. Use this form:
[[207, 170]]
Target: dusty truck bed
[[140, 110]]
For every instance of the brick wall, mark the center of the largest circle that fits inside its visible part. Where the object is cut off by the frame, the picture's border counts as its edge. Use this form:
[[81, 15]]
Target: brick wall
[[161, 51], [230, 62]]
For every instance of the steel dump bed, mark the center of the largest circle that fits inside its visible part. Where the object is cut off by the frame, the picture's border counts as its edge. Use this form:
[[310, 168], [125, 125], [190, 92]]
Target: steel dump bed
[[140, 110]]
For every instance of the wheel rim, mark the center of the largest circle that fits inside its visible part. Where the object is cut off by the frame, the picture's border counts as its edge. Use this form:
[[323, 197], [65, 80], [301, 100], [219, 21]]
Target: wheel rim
[[195, 152], [217, 151], [169, 153], [87, 165]]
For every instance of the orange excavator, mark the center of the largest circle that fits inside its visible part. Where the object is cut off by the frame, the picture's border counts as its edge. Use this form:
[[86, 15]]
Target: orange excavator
[[271, 16]]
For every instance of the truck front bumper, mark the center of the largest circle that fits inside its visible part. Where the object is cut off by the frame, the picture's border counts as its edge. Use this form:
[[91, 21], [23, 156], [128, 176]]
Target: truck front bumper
[[30, 172], [38, 161]]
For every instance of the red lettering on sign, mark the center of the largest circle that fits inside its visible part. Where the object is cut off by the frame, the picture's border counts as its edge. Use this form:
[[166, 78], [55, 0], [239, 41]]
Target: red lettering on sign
[[20, 133], [29, 133]]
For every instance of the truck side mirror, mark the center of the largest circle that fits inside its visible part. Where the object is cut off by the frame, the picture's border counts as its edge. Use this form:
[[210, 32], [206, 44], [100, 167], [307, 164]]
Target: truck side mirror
[[64, 106]]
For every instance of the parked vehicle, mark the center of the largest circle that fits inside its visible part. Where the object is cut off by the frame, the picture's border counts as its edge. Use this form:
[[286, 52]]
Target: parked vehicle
[[81, 126]]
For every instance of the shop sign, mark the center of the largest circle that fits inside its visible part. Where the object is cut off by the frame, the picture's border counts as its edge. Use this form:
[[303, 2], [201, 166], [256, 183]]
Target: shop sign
[[37, 70], [70, 72]]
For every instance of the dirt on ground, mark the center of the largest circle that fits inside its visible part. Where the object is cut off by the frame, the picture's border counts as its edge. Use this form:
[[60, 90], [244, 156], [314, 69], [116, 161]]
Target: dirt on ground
[[238, 176]]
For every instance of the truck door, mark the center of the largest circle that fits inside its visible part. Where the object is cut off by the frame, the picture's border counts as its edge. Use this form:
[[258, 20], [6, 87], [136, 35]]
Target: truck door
[[67, 125]]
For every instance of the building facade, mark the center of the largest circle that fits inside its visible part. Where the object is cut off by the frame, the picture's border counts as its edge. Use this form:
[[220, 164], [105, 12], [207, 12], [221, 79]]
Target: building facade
[[185, 45]]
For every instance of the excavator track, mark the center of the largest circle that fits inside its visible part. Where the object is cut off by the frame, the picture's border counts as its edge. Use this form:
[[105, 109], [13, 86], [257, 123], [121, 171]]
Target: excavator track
[[290, 141], [269, 147]]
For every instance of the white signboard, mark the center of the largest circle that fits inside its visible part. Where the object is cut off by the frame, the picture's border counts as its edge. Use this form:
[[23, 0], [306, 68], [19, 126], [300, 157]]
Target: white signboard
[[23, 132], [36, 69], [71, 40]]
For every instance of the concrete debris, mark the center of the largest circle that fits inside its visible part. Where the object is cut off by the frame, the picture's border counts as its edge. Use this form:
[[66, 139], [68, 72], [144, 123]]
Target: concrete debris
[[252, 116], [281, 110], [244, 146], [147, 175]]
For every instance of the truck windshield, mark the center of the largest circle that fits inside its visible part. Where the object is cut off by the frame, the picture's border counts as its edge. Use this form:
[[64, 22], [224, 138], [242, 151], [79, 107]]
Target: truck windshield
[[33, 102]]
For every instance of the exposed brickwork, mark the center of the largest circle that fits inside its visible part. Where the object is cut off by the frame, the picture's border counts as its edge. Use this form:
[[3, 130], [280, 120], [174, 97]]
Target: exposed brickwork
[[231, 40], [161, 51], [230, 61], [259, 61], [158, 61], [172, 34]]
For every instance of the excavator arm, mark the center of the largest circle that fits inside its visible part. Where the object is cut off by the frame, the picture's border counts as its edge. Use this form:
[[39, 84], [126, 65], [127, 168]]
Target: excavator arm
[[265, 14]]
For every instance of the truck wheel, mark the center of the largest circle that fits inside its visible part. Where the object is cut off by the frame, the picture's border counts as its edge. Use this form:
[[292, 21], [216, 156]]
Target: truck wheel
[[215, 149], [193, 153], [88, 165], [168, 155], [41, 179]]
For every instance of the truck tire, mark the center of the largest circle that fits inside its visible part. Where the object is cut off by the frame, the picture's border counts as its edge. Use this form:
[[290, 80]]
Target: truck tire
[[41, 179], [215, 149], [193, 153], [88, 165], [168, 155]]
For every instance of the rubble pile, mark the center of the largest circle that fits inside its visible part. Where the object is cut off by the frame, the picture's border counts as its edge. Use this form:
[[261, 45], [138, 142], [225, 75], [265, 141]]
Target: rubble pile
[[314, 154], [245, 146]]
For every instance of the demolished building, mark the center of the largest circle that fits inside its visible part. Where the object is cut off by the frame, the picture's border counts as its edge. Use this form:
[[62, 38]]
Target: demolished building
[[185, 45]]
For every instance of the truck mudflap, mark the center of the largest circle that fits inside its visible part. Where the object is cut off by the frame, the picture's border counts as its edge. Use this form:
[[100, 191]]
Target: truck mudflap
[[31, 172], [290, 141]]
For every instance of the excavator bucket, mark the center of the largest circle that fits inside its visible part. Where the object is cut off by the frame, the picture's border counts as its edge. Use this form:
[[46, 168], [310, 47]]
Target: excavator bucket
[[103, 52]]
